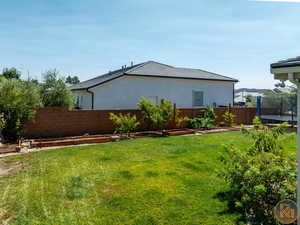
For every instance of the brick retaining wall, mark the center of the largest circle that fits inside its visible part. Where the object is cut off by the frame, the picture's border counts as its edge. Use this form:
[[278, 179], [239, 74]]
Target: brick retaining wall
[[60, 121]]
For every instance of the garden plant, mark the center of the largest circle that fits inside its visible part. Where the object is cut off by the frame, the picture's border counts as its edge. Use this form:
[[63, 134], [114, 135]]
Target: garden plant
[[124, 123], [259, 176], [156, 116]]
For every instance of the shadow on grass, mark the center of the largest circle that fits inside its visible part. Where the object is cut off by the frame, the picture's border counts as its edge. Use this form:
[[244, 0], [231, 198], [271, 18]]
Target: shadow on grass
[[226, 196]]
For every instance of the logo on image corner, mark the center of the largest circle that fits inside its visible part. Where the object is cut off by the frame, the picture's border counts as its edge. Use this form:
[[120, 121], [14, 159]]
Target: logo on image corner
[[286, 211]]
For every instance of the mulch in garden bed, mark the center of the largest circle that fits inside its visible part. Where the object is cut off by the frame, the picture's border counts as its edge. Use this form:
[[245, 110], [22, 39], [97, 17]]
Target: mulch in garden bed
[[90, 139], [8, 148]]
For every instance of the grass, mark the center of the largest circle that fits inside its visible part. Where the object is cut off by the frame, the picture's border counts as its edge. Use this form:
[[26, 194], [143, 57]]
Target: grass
[[148, 181]]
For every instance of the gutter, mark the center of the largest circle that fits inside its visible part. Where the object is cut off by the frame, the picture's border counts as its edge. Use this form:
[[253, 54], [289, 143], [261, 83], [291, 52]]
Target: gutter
[[92, 93]]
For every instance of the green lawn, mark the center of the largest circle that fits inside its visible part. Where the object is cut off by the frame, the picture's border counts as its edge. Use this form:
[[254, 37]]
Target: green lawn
[[142, 182]]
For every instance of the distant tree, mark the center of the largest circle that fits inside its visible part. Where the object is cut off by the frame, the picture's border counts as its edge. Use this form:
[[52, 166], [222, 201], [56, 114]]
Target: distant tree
[[11, 73], [72, 80], [54, 91]]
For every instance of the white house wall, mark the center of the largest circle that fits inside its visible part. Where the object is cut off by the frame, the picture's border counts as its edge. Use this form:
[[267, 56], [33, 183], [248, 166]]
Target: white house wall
[[84, 99], [125, 92]]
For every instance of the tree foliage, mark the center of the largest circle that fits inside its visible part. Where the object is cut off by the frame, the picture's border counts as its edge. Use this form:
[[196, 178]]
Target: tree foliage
[[228, 119], [156, 115], [259, 176], [72, 80], [11, 73], [256, 122], [54, 91], [18, 103]]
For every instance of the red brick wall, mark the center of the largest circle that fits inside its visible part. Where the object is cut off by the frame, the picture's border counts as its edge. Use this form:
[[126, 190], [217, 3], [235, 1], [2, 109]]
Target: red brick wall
[[56, 121]]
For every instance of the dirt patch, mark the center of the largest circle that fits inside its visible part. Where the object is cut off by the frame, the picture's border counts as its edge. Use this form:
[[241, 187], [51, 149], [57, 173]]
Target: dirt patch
[[8, 168], [5, 216], [107, 190]]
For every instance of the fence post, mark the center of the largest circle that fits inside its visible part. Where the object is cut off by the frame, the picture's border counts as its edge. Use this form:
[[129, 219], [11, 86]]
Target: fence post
[[174, 114], [258, 106]]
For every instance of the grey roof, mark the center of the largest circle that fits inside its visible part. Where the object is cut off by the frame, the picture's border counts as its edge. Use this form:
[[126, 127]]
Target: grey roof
[[256, 90], [287, 63], [153, 69]]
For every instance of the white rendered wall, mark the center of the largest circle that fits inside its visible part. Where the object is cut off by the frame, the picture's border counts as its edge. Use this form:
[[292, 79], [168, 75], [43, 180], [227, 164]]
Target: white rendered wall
[[85, 99], [125, 92]]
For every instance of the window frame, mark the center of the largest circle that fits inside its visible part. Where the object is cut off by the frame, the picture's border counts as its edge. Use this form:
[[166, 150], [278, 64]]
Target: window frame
[[194, 98]]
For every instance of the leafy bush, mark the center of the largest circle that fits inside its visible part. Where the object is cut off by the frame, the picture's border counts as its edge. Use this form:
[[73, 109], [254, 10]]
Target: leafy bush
[[148, 109], [2, 121], [125, 123], [2, 125], [206, 120], [256, 122], [18, 102], [228, 119], [156, 115], [259, 176]]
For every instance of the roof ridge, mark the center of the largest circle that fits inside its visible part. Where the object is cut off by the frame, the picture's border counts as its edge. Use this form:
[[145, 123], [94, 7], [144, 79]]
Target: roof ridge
[[137, 66], [145, 63]]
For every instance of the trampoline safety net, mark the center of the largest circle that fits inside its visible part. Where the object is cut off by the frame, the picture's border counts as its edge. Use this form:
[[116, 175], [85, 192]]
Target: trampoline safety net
[[278, 108]]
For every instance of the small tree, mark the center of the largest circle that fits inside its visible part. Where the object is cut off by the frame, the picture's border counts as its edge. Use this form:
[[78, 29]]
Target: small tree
[[156, 115], [54, 91], [228, 119], [256, 122], [125, 123], [18, 103], [148, 109]]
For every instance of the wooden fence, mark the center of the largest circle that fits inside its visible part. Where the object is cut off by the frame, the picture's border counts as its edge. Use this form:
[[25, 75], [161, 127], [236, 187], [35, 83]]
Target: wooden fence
[[60, 121]]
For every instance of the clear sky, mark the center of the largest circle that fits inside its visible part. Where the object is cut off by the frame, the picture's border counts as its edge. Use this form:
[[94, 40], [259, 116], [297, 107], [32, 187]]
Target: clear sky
[[237, 38]]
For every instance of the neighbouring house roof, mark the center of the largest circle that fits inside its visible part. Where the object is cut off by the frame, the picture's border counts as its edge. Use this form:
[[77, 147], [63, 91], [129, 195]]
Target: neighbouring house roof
[[254, 90], [287, 63], [152, 69]]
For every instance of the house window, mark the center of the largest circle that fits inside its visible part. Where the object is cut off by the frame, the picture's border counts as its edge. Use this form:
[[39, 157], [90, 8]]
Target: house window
[[197, 98]]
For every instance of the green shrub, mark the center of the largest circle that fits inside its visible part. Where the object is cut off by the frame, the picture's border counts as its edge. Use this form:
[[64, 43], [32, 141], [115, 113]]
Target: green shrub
[[125, 123], [148, 109], [256, 122], [259, 176], [2, 121], [2, 125], [156, 115], [18, 103], [206, 120], [228, 119]]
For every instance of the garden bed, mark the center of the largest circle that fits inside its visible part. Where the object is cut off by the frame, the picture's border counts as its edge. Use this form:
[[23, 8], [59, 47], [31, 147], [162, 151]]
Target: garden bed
[[94, 139], [8, 148]]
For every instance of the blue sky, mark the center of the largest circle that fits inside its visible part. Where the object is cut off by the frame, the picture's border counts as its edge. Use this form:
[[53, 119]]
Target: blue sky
[[237, 38]]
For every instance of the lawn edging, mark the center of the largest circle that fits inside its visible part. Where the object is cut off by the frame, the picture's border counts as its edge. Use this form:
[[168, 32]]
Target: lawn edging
[[32, 145]]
